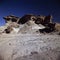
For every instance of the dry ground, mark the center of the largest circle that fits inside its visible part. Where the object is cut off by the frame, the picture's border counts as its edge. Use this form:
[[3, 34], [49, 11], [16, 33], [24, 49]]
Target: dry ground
[[29, 47]]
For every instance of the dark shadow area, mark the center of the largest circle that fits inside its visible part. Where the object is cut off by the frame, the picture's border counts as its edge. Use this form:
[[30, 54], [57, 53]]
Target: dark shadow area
[[49, 28], [1, 58], [24, 19], [58, 58]]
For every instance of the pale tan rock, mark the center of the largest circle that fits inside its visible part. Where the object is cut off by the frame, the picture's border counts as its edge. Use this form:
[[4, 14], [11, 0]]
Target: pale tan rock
[[57, 27]]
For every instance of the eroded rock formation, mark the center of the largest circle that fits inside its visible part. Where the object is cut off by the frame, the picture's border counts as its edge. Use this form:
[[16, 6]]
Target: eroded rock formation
[[11, 18], [26, 18], [11, 22], [30, 20]]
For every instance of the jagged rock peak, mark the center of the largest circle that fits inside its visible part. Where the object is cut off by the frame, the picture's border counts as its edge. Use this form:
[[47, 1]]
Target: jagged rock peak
[[11, 18]]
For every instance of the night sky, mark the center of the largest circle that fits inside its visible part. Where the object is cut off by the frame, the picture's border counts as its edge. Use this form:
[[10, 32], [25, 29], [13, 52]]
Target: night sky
[[21, 7]]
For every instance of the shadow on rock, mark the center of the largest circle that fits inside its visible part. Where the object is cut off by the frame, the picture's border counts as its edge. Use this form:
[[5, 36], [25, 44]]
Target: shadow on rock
[[1, 58]]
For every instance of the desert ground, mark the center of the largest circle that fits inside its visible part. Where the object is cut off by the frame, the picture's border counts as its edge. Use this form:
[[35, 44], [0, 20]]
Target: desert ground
[[29, 47]]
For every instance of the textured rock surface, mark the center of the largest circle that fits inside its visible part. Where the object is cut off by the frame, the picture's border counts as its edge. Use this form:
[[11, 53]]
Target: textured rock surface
[[29, 47]]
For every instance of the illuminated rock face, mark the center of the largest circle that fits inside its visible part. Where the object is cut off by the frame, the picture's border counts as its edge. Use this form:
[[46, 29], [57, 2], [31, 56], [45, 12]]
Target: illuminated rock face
[[35, 21], [14, 22], [30, 27], [11, 22]]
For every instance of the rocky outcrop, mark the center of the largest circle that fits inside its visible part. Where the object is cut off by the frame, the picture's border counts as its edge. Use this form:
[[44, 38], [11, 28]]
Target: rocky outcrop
[[11, 23], [30, 27], [43, 19], [11, 18], [39, 22], [26, 18], [47, 22]]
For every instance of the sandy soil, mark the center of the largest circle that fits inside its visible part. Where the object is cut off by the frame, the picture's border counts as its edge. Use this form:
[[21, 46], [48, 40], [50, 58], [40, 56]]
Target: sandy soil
[[29, 47]]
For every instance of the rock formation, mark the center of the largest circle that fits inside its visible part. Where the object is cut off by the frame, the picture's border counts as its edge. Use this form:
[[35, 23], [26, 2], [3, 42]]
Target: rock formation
[[30, 27], [26, 18], [11, 18], [11, 22], [39, 22], [39, 41], [43, 19], [47, 22]]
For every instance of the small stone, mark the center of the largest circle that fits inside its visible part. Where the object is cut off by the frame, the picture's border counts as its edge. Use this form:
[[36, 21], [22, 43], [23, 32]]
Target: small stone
[[35, 52]]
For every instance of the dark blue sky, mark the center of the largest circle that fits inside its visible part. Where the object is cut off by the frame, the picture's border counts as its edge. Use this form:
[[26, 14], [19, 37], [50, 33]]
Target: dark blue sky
[[21, 7]]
